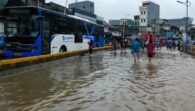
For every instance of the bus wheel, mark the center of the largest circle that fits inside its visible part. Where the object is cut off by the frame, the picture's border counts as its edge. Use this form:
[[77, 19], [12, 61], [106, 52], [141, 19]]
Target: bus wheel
[[63, 49]]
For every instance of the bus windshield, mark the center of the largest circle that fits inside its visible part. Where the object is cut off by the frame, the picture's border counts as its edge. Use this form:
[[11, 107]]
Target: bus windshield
[[21, 26]]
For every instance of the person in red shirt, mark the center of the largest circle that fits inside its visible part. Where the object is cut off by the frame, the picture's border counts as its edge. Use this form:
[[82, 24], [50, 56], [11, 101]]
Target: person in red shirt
[[150, 49], [91, 46]]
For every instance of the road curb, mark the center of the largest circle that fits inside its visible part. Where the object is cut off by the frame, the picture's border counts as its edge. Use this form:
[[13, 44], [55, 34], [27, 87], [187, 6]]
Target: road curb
[[27, 61]]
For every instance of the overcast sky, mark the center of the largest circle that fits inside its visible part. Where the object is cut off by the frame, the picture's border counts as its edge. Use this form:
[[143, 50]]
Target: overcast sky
[[116, 9]]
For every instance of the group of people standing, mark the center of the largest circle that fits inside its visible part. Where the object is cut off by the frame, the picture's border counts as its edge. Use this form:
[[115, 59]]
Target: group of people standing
[[136, 46], [173, 44], [123, 44]]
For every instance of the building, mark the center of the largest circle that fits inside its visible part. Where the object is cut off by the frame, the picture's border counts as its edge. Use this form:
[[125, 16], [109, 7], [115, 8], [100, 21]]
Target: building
[[161, 26], [127, 22], [86, 12], [126, 25], [56, 7], [121, 22], [112, 33], [114, 22], [15, 3], [136, 20], [192, 33], [149, 12], [24, 2], [180, 22], [76, 11], [35, 2], [83, 14], [100, 20], [130, 28], [86, 6], [85, 9]]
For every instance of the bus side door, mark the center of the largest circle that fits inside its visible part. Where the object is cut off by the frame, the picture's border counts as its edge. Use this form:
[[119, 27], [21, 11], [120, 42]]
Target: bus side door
[[46, 37]]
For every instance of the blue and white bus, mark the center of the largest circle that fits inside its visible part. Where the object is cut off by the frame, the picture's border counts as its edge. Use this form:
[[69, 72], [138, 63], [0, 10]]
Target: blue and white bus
[[34, 31]]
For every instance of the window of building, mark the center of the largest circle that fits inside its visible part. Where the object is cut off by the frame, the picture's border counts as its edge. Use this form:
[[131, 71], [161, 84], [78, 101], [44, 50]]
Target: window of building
[[91, 5], [141, 13], [144, 12], [144, 20], [141, 20], [84, 7]]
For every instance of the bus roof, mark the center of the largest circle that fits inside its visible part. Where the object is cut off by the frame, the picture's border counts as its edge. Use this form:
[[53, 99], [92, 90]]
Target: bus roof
[[55, 12]]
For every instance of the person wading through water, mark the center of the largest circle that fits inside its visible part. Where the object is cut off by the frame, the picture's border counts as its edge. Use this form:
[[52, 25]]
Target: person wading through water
[[150, 49], [91, 46], [135, 47]]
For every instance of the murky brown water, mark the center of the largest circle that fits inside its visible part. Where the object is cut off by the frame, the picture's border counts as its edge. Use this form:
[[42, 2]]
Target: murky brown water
[[106, 81]]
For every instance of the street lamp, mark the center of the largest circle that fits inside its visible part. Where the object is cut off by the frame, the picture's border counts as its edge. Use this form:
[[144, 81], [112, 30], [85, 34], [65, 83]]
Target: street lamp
[[123, 41], [125, 23], [187, 3]]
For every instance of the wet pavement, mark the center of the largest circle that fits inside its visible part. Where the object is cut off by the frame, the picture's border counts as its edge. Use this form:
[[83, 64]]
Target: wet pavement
[[106, 81]]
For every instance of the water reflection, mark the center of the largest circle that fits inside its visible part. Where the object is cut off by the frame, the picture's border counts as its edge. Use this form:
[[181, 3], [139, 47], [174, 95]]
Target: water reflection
[[90, 61], [151, 70]]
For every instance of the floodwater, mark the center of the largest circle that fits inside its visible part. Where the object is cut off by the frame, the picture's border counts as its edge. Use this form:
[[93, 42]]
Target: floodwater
[[106, 81]]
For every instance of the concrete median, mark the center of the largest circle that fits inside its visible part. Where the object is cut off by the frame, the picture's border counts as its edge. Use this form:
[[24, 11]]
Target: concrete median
[[27, 61]]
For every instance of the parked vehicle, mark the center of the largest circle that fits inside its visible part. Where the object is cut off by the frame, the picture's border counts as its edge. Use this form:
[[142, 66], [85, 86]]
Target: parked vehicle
[[33, 31]]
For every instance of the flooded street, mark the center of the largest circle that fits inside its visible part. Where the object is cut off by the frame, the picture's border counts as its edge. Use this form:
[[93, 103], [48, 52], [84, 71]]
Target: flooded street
[[106, 81]]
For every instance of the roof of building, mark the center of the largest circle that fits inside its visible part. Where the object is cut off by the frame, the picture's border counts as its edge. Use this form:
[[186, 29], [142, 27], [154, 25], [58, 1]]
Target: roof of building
[[184, 18], [83, 12], [148, 2], [87, 1], [55, 6]]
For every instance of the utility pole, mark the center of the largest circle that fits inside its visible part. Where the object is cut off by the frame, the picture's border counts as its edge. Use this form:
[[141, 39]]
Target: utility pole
[[123, 33], [187, 19], [187, 3]]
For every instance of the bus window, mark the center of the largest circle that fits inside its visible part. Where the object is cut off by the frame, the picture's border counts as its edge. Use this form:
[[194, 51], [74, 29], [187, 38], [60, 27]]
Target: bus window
[[62, 26], [78, 31], [11, 29], [23, 26]]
